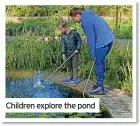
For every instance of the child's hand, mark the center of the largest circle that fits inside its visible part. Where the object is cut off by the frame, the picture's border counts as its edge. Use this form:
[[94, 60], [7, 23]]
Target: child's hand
[[64, 57], [94, 59], [76, 51]]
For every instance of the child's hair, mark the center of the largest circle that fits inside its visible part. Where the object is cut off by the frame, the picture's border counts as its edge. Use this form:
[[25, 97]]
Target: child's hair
[[62, 24], [74, 11]]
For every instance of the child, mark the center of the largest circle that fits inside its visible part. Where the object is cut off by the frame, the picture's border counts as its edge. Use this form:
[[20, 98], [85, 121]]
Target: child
[[99, 39], [71, 43]]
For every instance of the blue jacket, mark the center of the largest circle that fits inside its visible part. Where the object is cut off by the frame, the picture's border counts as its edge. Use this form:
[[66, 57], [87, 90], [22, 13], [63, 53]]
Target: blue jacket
[[97, 31]]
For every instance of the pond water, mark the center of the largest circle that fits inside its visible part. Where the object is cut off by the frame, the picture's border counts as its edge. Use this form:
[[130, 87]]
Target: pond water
[[24, 88]]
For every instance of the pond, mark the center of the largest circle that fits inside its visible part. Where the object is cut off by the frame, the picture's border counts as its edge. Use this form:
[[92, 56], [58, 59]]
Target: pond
[[24, 88]]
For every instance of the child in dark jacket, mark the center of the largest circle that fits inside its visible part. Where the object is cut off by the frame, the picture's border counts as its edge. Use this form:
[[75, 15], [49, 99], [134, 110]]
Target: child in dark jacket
[[71, 43]]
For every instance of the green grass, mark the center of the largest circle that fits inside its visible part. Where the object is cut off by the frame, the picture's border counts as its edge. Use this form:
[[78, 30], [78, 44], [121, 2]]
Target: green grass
[[29, 52], [124, 28], [119, 68], [40, 26], [47, 27]]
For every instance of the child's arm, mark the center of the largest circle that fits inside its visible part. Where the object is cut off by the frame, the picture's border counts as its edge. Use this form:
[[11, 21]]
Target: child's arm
[[63, 45], [78, 40]]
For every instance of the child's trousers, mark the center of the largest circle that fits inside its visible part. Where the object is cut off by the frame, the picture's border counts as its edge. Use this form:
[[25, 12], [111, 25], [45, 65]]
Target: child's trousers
[[72, 65], [99, 63]]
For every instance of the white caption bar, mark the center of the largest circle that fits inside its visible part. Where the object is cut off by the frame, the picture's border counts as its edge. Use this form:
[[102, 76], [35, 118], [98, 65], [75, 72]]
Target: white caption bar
[[52, 105]]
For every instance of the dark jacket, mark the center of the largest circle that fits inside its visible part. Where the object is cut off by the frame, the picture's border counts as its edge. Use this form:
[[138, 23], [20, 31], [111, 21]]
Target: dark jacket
[[70, 42], [97, 31]]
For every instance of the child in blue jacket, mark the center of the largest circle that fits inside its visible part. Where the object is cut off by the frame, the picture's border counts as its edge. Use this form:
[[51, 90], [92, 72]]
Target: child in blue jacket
[[99, 40]]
